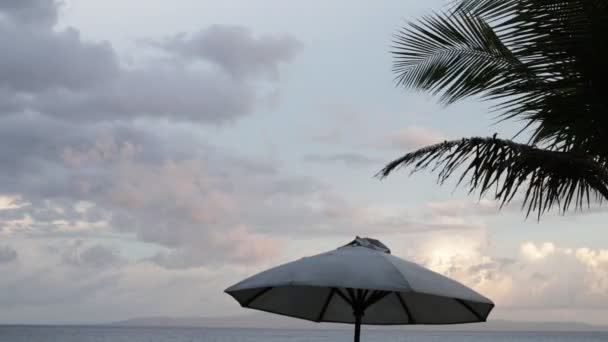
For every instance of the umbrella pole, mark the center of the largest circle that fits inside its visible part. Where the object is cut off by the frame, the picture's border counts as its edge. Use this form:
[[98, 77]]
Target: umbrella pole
[[357, 303], [357, 327]]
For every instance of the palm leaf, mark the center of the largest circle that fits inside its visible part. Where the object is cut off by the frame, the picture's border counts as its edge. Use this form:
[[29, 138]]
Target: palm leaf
[[456, 56], [547, 178], [488, 9]]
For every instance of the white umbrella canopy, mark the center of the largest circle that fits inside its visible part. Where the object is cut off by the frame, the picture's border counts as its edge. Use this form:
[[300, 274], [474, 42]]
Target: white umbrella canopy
[[361, 283]]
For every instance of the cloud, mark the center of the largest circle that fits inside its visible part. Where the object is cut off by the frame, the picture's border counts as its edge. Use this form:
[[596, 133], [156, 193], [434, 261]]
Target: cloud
[[597, 265], [532, 252], [238, 245], [97, 180], [129, 179], [156, 91], [69, 64], [11, 202], [92, 146], [7, 254], [97, 256], [235, 49], [83, 81], [44, 278], [348, 159], [55, 218], [31, 150], [34, 13], [42, 283], [51, 275], [543, 276]]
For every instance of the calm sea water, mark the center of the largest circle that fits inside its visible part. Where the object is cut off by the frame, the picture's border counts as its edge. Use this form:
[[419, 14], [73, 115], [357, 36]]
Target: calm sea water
[[115, 334]]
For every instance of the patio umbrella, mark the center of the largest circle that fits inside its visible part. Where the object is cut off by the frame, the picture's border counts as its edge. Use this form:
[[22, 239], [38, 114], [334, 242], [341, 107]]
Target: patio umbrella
[[361, 283]]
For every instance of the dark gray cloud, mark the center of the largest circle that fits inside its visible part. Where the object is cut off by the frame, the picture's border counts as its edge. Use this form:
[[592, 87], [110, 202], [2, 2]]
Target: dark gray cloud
[[36, 13], [155, 91], [235, 49], [36, 61], [82, 89], [348, 159], [56, 73], [7, 254], [36, 57], [33, 146]]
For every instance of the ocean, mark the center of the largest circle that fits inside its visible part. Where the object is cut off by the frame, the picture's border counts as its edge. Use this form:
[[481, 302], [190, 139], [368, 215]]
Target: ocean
[[126, 334]]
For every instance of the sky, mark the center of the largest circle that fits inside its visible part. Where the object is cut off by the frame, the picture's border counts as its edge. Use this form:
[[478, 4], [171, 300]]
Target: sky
[[155, 152]]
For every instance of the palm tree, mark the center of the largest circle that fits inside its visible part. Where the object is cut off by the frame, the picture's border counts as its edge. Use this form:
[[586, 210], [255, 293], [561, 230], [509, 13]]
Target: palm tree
[[543, 62]]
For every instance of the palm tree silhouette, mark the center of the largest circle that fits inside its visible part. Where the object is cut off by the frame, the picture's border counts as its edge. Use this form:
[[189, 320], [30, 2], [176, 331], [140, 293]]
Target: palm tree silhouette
[[543, 62]]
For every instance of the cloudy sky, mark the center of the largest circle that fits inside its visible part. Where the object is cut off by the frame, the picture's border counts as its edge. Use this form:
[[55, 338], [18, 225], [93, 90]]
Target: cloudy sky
[[155, 152]]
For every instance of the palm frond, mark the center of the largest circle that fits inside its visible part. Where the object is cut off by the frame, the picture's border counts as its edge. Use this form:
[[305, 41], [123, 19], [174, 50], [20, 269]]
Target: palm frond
[[456, 56], [548, 178], [488, 9]]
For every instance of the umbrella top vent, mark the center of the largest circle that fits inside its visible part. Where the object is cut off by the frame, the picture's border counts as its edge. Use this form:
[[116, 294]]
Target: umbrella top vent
[[369, 243]]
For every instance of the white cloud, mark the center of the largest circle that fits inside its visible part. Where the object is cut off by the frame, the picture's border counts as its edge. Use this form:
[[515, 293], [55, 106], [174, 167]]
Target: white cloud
[[532, 252], [11, 202], [543, 276], [596, 262]]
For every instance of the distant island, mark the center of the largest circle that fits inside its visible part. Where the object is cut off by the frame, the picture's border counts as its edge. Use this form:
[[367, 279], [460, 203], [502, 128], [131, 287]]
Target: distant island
[[264, 321]]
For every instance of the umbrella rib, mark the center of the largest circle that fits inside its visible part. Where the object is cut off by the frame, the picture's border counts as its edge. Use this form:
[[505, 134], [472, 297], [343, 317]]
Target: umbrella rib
[[375, 298], [256, 296], [410, 318], [352, 295], [355, 297], [363, 295], [326, 304], [468, 307], [343, 296]]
